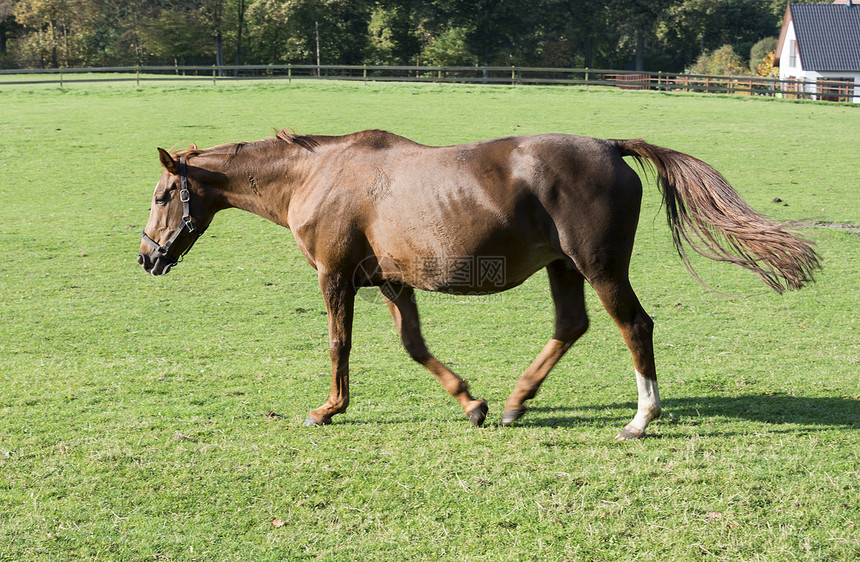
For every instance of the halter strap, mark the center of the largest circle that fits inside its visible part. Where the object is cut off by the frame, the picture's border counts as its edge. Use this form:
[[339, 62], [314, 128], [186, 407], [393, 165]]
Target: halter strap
[[187, 220], [185, 195]]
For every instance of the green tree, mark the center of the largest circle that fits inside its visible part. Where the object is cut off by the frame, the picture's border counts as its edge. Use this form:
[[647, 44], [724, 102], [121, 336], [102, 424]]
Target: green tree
[[585, 26], [212, 14], [8, 26], [448, 49], [493, 28], [285, 30], [638, 22], [241, 7], [54, 31], [224, 21], [176, 36], [394, 33], [114, 38]]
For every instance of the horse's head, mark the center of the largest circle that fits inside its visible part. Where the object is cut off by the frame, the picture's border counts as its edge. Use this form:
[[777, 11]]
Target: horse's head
[[178, 216]]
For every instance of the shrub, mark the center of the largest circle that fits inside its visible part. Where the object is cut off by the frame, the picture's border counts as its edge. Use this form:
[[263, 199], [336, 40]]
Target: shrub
[[723, 62], [763, 52]]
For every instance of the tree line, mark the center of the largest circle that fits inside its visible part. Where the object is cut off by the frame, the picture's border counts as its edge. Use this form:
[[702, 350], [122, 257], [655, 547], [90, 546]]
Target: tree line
[[667, 35]]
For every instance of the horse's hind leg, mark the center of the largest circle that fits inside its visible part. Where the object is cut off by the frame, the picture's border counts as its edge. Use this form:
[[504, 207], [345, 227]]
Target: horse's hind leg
[[401, 304], [571, 321], [636, 327]]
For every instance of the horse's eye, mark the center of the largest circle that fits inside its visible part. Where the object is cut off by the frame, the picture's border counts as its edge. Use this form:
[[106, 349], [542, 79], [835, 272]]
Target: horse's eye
[[163, 198]]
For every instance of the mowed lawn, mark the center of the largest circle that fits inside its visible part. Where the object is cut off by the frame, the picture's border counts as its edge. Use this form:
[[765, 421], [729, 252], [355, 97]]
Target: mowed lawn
[[151, 418]]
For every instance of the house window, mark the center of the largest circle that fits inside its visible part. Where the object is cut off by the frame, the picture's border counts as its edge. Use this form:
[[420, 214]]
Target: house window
[[836, 89], [792, 54]]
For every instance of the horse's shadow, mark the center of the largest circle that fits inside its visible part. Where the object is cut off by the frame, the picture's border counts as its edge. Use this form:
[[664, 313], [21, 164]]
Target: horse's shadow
[[771, 409]]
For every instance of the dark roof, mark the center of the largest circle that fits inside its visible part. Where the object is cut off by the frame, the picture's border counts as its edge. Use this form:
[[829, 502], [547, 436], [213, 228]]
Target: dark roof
[[828, 35]]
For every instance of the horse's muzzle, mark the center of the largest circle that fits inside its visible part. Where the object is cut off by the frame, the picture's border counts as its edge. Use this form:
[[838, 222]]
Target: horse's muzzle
[[160, 264]]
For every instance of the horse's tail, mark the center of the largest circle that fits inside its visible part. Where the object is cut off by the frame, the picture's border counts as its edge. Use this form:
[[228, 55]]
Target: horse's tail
[[707, 214]]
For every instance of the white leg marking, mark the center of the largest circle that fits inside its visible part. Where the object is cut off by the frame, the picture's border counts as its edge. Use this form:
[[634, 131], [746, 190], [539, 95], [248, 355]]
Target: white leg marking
[[648, 408]]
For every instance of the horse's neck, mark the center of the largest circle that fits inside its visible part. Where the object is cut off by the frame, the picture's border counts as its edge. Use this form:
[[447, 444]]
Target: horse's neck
[[262, 181]]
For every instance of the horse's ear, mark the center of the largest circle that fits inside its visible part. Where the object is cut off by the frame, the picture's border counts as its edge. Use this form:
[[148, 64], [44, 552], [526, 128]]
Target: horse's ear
[[193, 146], [168, 162]]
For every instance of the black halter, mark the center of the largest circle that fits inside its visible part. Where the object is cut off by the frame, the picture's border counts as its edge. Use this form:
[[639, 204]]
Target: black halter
[[187, 224]]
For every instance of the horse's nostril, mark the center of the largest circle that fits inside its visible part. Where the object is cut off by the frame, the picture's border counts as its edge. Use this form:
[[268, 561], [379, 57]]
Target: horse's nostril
[[145, 261]]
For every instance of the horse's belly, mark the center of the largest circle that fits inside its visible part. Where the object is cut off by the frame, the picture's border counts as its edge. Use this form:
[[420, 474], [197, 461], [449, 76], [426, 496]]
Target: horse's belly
[[488, 268], [461, 237]]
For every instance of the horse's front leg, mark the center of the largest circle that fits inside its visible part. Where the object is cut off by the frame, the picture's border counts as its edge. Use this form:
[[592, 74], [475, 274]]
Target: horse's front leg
[[339, 297]]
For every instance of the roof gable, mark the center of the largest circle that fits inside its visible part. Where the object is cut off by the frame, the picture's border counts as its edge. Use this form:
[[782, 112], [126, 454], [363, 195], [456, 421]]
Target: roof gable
[[828, 35]]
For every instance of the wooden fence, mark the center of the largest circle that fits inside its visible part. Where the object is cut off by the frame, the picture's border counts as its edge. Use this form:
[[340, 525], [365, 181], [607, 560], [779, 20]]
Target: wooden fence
[[739, 85]]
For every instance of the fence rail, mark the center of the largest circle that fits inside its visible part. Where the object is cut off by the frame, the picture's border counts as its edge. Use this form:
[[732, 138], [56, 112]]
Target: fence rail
[[830, 90]]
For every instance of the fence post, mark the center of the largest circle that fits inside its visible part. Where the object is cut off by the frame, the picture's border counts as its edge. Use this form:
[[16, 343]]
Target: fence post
[[586, 77], [364, 74], [290, 74], [137, 75], [513, 75], [61, 77], [214, 82]]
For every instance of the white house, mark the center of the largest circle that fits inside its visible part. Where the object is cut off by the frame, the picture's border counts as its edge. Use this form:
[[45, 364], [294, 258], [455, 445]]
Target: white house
[[820, 44]]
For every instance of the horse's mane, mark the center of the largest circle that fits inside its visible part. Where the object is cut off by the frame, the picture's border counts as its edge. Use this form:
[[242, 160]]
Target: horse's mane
[[284, 135], [304, 141]]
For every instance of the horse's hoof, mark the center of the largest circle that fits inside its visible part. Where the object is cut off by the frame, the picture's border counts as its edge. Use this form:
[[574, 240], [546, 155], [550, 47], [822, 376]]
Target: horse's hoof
[[310, 422], [478, 415], [510, 416], [630, 434]]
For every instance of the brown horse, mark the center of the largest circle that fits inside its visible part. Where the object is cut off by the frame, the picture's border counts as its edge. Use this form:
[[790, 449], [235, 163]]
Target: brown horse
[[375, 209]]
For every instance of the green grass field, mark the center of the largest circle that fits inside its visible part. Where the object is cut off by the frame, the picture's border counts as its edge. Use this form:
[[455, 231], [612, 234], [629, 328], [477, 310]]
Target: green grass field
[[151, 418]]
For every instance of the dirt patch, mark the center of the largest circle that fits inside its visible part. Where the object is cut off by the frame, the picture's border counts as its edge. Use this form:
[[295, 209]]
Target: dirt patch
[[854, 229]]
